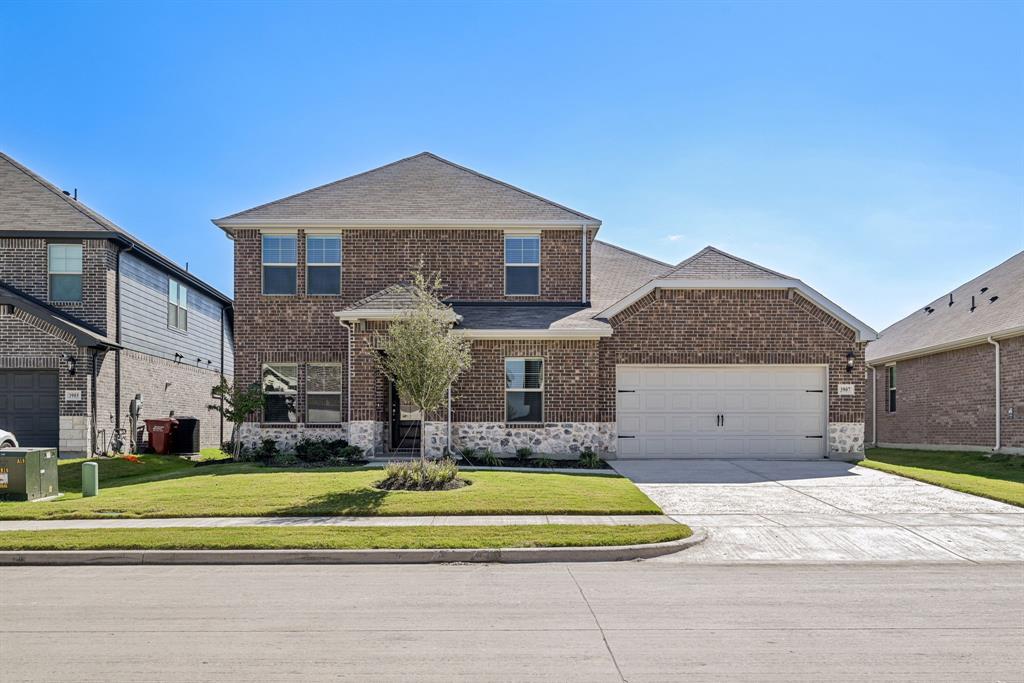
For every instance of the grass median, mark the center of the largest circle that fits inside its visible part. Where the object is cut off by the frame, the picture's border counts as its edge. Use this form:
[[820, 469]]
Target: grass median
[[162, 486], [361, 538], [998, 476]]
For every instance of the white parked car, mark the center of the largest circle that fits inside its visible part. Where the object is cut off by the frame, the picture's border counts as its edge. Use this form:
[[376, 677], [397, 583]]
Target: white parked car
[[7, 440]]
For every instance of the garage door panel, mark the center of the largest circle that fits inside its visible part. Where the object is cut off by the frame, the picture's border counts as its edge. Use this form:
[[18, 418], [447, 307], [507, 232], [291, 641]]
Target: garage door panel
[[29, 406], [767, 411]]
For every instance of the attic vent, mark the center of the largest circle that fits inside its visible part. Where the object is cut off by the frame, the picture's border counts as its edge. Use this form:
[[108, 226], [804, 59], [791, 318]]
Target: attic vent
[[984, 289], [929, 310], [992, 299]]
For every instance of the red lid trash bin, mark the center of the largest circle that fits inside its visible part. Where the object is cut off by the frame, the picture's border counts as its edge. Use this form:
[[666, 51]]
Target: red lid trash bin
[[160, 434]]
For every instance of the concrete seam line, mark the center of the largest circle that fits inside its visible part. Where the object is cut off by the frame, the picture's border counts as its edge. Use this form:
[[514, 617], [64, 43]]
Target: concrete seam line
[[9, 558]]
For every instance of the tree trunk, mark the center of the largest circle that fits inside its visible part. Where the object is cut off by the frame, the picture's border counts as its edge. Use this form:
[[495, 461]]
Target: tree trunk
[[236, 442], [423, 437]]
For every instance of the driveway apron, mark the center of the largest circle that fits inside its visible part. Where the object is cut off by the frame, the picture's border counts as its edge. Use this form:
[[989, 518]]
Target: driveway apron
[[771, 511]]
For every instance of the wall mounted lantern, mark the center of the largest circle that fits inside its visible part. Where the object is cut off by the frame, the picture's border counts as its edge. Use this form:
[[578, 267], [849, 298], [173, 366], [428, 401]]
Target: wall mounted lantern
[[849, 361], [69, 362]]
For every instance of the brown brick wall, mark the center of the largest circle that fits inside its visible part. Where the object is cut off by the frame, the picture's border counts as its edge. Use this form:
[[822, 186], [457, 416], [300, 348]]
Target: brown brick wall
[[948, 399], [23, 264], [712, 327]]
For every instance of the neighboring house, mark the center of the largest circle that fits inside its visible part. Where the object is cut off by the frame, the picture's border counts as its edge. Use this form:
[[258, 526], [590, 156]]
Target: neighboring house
[[951, 375], [575, 342], [90, 317]]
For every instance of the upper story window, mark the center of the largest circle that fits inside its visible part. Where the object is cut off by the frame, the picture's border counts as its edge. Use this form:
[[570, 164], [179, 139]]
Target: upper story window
[[280, 255], [522, 265], [524, 389], [323, 264], [177, 305], [890, 394], [64, 265], [280, 392]]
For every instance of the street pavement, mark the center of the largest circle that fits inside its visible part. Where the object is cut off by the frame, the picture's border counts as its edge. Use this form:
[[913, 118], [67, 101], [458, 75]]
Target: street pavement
[[764, 511], [636, 621]]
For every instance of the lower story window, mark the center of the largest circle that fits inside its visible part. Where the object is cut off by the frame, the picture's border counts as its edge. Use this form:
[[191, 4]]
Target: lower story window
[[524, 389], [323, 393], [280, 391]]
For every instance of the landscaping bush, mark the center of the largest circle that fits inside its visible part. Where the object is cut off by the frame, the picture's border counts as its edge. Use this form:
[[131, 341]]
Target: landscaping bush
[[430, 475], [541, 461], [353, 455], [589, 460], [524, 454], [489, 459], [267, 451]]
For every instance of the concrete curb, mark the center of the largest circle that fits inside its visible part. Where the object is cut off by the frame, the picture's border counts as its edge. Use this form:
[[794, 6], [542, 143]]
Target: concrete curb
[[616, 553]]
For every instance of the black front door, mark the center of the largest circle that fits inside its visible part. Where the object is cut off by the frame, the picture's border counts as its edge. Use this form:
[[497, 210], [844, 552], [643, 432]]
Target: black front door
[[405, 423]]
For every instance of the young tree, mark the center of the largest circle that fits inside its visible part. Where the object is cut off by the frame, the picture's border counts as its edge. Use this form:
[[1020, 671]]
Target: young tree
[[238, 404], [420, 354]]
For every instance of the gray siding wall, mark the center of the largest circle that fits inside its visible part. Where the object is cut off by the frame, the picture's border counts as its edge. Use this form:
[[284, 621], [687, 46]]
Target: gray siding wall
[[144, 319]]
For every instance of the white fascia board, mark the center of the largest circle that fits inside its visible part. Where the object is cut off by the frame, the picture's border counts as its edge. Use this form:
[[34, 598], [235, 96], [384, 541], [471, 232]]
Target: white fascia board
[[946, 346], [380, 314], [864, 332], [296, 223], [533, 334]]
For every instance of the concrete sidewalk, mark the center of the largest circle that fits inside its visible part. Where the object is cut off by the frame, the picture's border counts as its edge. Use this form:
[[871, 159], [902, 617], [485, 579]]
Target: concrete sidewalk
[[432, 520]]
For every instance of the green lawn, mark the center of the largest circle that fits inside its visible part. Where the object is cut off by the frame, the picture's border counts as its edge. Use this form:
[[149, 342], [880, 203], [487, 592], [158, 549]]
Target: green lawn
[[164, 486], [1000, 476], [547, 535]]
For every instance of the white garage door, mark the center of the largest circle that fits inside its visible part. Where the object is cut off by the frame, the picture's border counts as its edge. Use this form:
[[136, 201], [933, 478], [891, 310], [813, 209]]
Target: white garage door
[[757, 411]]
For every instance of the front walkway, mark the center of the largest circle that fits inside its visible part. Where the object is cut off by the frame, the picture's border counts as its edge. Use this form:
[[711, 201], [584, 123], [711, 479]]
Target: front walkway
[[824, 511], [438, 520]]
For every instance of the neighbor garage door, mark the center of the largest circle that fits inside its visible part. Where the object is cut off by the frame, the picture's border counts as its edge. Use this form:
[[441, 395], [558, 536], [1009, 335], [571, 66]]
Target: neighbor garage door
[[773, 411], [28, 406]]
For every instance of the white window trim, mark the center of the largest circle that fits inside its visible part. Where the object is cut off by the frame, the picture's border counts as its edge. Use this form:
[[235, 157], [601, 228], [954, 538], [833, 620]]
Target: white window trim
[[890, 388], [540, 390], [294, 392], [340, 393], [537, 265], [338, 265], [264, 264], [79, 273], [182, 306]]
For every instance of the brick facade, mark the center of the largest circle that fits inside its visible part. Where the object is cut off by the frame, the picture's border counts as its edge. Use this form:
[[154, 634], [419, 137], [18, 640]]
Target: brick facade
[[948, 399]]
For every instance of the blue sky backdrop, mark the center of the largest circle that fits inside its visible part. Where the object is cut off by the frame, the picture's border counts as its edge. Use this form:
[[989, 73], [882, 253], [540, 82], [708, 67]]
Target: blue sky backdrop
[[875, 150]]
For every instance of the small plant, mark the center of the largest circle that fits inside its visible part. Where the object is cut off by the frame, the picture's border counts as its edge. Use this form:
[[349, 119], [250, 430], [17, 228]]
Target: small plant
[[489, 459], [285, 460], [468, 453], [524, 453], [353, 455], [589, 460], [542, 461], [321, 451], [267, 451], [430, 475]]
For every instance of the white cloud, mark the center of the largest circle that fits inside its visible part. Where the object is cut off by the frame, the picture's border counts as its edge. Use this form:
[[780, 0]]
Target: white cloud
[[674, 238]]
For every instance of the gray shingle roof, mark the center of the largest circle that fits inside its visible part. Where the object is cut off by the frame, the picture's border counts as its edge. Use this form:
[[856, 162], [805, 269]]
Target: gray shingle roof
[[84, 333], [615, 272], [949, 325], [397, 297], [527, 317], [714, 264], [424, 188], [31, 203]]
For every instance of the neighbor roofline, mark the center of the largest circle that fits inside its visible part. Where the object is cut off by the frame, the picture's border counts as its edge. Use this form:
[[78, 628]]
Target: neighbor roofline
[[948, 346], [384, 314], [864, 331]]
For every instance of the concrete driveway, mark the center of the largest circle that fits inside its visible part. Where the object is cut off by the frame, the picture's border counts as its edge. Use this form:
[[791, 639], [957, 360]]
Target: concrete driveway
[[824, 511]]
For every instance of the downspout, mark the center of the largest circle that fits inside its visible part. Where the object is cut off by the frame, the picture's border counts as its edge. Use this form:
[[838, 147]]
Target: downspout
[[583, 263], [874, 405], [221, 442], [999, 407], [449, 443], [121, 249]]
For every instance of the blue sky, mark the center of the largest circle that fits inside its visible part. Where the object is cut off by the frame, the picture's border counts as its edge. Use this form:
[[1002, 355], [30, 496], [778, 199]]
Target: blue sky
[[875, 150]]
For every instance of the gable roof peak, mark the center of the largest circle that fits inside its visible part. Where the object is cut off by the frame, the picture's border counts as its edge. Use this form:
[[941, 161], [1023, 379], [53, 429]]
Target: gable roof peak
[[423, 189], [714, 263]]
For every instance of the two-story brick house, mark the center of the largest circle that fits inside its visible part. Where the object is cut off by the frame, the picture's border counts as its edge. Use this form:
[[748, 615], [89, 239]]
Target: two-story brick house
[[575, 342], [90, 316]]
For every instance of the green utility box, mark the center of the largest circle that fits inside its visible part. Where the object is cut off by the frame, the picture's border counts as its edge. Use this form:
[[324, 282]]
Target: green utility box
[[28, 473]]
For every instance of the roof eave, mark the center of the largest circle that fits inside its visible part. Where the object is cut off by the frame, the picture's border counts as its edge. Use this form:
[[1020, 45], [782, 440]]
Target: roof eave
[[230, 224], [948, 346], [382, 314], [547, 333]]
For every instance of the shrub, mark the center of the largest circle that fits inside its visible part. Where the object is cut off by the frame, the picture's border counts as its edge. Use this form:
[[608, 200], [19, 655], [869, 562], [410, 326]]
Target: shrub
[[267, 450], [468, 453], [320, 451], [430, 475], [524, 453], [489, 459], [353, 455], [590, 460], [542, 461], [285, 460]]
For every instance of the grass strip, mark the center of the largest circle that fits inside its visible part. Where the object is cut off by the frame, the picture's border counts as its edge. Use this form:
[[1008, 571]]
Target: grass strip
[[998, 476], [362, 538]]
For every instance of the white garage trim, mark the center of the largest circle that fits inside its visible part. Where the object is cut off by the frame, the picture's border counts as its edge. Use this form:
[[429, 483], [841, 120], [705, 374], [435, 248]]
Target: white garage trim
[[722, 411]]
